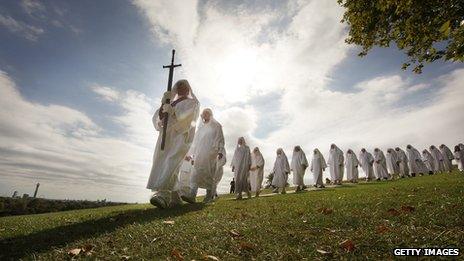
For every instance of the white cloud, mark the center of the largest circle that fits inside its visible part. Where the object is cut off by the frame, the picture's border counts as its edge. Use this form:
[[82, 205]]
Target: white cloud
[[22, 29], [68, 153], [33, 7], [106, 93]]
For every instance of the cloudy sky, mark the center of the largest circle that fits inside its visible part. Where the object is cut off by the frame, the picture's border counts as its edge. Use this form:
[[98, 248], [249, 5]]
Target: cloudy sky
[[80, 80]]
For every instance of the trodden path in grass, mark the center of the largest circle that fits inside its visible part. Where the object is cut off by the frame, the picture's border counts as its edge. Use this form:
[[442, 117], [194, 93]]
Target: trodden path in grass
[[366, 220]]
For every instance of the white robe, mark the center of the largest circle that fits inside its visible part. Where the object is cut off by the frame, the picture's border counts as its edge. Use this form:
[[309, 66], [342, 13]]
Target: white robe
[[380, 166], [317, 167], [428, 160], [392, 162], [459, 158], [220, 167], [437, 160], [257, 174], [185, 173], [298, 166], [403, 163], [241, 163], [335, 163], [447, 158], [351, 165], [208, 142], [179, 136], [416, 165], [367, 160], [281, 170]]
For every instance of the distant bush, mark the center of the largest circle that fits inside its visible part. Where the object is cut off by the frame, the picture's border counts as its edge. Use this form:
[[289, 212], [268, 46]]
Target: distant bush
[[24, 206]]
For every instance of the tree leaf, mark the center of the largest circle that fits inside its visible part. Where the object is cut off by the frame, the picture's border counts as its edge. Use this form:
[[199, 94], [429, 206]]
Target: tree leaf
[[210, 257], [347, 245], [74, 251], [177, 255]]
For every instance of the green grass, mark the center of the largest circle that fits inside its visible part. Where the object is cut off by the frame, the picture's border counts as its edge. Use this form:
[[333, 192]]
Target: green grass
[[292, 226]]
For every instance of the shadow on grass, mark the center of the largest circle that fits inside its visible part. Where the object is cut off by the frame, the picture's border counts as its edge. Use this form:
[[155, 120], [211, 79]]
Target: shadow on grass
[[41, 241]]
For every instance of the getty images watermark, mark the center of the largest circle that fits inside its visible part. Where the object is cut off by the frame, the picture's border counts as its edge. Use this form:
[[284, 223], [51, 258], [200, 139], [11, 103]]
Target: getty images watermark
[[426, 251]]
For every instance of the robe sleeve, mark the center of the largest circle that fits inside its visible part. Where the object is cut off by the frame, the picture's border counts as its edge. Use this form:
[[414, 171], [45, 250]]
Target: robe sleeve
[[304, 160], [287, 166], [157, 123], [219, 139], [323, 162], [185, 113], [234, 158]]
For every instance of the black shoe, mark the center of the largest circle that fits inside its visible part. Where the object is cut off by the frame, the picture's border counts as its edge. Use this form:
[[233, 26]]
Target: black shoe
[[158, 202]]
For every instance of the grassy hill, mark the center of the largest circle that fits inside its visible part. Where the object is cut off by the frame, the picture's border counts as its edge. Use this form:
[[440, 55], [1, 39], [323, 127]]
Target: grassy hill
[[363, 220]]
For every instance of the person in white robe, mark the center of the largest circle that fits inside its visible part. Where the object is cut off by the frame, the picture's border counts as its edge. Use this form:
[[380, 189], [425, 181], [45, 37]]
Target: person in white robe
[[351, 165], [299, 165], [428, 160], [392, 161], [380, 166], [281, 170], [402, 162], [459, 157], [437, 159], [367, 161], [447, 157], [256, 171], [241, 164], [318, 166], [416, 165], [336, 164], [182, 111], [208, 150]]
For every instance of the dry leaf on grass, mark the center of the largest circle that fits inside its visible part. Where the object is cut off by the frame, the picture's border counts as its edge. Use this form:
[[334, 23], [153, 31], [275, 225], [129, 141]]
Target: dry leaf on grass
[[210, 257], [323, 252], [234, 233], [407, 209], [177, 255], [74, 251], [169, 222], [325, 211], [382, 229], [246, 246], [347, 245], [393, 212]]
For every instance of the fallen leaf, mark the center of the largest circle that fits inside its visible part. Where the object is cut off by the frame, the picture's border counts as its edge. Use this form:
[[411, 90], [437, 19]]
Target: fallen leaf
[[347, 245], [169, 222], [407, 209], [234, 233], [246, 246], [382, 229], [320, 251], [325, 211], [393, 212], [74, 251], [177, 255], [330, 230], [210, 257]]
